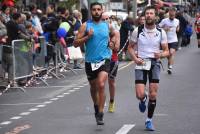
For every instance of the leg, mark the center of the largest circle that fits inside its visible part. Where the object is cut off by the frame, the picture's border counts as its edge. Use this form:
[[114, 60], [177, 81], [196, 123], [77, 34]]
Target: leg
[[172, 52], [112, 86], [101, 80], [140, 82]]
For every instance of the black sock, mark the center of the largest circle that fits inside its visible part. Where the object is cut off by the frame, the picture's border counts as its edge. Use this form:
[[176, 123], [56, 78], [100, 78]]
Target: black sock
[[111, 100], [96, 109], [151, 108]]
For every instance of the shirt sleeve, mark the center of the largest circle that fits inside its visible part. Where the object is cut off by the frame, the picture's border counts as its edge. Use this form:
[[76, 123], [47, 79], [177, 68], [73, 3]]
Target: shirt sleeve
[[161, 24], [163, 37], [133, 37]]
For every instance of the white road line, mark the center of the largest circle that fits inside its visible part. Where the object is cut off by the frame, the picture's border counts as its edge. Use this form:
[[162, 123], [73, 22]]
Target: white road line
[[71, 90], [60, 96], [126, 65], [33, 109], [66, 93], [125, 129], [16, 118], [19, 104], [53, 99], [85, 84], [40, 106], [159, 114], [76, 88], [5, 122], [80, 86], [47, 102], [25, 113]]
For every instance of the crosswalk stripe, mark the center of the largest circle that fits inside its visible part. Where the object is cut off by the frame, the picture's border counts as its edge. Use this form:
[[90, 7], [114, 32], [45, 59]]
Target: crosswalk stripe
[[125, 129]]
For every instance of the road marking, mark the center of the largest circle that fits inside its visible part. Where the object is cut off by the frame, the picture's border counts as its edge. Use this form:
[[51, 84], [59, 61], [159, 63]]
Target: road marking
[[18, 104], [76, 88], [72, 90], [85, 84], [66, 93], [40, 106], [16, 118], [126, 65], [53, 99], [160, 114], [47, 102], [33, 109], [125, 129], [5, 122], [60, 96], [25, 113], [80, 86]]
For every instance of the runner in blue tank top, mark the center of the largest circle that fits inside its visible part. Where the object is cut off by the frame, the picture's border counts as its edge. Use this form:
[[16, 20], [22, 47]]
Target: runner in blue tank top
[[95, 34]]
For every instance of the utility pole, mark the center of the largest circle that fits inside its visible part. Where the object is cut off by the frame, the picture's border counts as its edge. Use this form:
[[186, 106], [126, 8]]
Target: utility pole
[[134, 9]]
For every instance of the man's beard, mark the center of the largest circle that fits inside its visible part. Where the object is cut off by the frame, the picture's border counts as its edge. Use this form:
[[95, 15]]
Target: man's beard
[[150, 23], [96, 18]]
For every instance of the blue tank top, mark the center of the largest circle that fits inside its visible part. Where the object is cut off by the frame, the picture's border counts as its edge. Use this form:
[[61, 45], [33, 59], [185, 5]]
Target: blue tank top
[[97, 46]]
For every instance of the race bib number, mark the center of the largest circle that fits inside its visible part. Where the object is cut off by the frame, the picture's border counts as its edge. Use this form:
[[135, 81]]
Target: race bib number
[[145, 66], [96, 66]]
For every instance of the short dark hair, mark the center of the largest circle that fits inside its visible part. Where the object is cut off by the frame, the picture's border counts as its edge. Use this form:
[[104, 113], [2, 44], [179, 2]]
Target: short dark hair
[[16, 16], [94, 4], [150, 7]]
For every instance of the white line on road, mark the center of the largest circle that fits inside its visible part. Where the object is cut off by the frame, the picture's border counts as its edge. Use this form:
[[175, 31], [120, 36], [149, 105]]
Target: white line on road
[[125, 129], [18, 104], [76, 88], [126, 65], [41, 106], [25, 113], [53, 99], [33, 109], [16, 118], [47, 102], [71, 91], [66, 93], [5, 122], [60, 96]]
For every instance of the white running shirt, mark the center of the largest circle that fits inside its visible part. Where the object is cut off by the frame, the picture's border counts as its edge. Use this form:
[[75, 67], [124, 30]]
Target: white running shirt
[[172, 24], [148, 42]]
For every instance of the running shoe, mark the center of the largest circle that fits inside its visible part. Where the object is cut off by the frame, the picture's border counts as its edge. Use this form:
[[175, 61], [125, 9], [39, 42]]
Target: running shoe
[[169, 71], [142, 105], [111, 107], [99, 119], [198, 46], [149, 126]]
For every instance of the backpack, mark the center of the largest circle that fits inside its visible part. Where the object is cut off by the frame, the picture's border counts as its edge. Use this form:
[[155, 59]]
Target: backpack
[[188, 30], [51, 24]]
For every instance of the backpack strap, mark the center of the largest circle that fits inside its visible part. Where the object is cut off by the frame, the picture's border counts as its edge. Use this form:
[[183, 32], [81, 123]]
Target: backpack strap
[[140, 28]]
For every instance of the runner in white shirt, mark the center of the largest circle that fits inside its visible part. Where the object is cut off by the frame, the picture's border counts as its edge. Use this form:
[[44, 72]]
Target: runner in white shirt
[[147, 41], [171, 26]]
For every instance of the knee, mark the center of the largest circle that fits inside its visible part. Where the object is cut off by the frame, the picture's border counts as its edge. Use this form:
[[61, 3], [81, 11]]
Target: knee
[[101, 85]]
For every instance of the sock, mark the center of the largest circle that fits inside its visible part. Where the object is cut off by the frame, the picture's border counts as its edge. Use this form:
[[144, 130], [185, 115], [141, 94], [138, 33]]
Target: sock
[[148, 119], [151, 108], [111, 100], [170, 67], [96, 109]]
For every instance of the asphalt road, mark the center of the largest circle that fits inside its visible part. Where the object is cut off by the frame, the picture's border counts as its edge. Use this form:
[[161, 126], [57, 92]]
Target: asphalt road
[[65, 107]]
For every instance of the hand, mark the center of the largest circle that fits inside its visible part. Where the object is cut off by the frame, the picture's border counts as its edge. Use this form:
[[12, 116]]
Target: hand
[[112, 45], [90, 32], [139, 61], [157, 55]]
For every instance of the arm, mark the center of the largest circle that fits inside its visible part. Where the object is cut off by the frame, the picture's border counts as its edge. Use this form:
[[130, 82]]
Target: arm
[[114, 43], [81, 38], [132, 46], [178, 27], [164, 47]]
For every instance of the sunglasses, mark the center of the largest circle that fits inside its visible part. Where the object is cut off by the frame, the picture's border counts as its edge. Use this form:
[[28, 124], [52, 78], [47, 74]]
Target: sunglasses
[[105, 19]]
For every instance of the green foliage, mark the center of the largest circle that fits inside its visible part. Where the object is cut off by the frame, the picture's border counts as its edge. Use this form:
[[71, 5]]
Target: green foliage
[[68, 3]]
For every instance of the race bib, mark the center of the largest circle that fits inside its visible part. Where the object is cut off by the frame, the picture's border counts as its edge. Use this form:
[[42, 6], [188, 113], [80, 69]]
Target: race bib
[[145, 66], [96, 66]]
